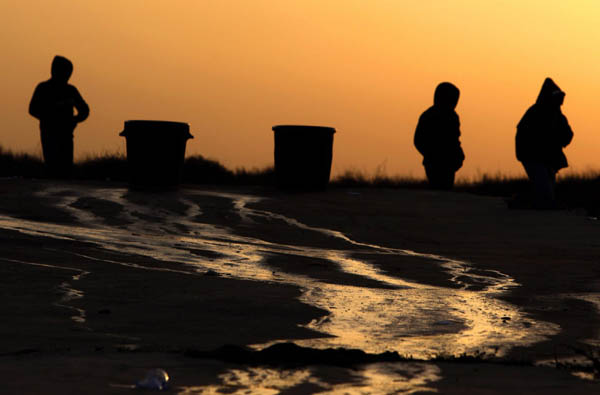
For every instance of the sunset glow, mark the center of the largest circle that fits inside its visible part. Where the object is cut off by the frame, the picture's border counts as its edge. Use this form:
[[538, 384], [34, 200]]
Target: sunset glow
[[232, 69]]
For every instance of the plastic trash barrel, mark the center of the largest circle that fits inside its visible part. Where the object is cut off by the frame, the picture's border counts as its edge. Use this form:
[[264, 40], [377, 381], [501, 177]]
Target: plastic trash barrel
[[155, 153], [303, 156]]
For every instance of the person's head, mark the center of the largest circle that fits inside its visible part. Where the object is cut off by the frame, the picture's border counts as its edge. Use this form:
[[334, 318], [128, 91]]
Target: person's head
[[62, 68], [558, 97], [550, 94], [446, 96]]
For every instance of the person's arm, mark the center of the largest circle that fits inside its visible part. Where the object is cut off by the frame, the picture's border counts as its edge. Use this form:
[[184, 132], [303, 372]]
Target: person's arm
[[459, 154], [420, 139], [83, 111], [525, 140], [566, 134], [36, 105]]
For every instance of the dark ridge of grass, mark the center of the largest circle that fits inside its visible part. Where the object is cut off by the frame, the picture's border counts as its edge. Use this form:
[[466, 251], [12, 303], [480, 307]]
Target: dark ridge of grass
[[494, 185], [357, 179], [20, 165], [262, 177], [581, 190], [108, 167], [573, 190], [198, 170], [113, 167]]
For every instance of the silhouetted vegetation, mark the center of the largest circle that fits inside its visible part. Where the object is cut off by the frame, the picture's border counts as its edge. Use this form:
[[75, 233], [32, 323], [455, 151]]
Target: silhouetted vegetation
[[494, 185], [491, 185], [113, 167], [108, 167], [20, 165], [198, 170], [580, 191], [357, 179], [264, 176], [573, 191]]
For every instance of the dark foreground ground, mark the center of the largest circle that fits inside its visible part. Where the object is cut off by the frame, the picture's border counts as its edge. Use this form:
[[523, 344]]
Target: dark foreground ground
[[141, 313]]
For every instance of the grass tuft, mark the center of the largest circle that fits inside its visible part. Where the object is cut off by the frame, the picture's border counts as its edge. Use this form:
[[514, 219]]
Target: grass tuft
[[20, 165], [357, 179]]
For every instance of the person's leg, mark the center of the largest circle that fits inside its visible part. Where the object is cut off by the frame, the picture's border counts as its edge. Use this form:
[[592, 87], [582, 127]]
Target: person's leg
[[449, 179], [66, 155], [439, 177], [57, 147], [542, 181], [49, 151]]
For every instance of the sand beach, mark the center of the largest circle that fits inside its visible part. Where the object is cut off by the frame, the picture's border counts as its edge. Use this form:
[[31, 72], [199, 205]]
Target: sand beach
[[100, 284]]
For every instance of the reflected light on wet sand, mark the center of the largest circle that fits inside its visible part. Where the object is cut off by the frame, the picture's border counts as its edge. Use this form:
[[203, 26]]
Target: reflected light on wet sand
[[413, 319], [375, 378]]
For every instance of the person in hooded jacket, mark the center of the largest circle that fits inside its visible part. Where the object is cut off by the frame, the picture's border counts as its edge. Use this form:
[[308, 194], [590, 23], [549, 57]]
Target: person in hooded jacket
[[437, 138], [542, 134], [54, 103]]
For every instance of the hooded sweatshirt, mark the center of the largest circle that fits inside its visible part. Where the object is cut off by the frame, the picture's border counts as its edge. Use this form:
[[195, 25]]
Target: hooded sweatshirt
[[54, 100], [438, 130], [544, 131]]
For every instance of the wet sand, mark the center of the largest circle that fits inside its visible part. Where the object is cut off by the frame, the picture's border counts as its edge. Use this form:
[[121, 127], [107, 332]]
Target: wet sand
[[100, 284]]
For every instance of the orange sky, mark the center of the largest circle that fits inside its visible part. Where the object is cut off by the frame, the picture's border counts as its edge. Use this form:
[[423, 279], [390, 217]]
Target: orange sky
[[234, 68]]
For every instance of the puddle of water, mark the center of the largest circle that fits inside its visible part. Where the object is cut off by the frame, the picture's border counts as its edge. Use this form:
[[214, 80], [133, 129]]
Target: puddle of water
[[578, 366], [593, 298], [411, 318], [69, 293], [581, 366], [374, 378]]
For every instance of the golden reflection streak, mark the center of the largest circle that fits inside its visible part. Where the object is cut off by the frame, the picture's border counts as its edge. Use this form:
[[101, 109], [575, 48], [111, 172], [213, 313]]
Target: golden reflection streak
[[368, 319], [375, 378], [69, 293], [413, 319]]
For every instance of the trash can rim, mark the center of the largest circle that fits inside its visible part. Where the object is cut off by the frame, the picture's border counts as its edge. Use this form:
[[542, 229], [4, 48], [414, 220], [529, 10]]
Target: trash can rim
[[141, 123], [156, 122], [307, 127]]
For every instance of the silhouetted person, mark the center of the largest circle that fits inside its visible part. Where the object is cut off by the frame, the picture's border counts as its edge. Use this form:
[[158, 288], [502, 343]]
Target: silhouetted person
[[53, 103], [437, 137], [542, 134]]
